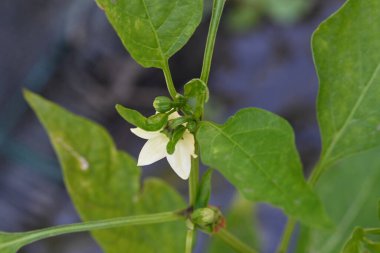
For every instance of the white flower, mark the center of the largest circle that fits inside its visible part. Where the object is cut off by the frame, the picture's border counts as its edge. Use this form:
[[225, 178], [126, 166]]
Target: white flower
[[155, 149]]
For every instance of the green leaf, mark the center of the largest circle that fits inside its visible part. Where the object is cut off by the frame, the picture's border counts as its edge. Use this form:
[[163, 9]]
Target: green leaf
[[240, 222], [204, 190], [346, 50], [350, 192], [153, 30], [104, 183], [197, 93], [8, 242], [153, 123], [255, 151], [353, 245], [347, 56]]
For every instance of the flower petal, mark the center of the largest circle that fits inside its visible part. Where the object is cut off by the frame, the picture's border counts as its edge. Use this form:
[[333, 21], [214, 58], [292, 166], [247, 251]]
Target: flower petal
[[174, 115], [189, 143], [180, 161], [144, 134], [153, 150]]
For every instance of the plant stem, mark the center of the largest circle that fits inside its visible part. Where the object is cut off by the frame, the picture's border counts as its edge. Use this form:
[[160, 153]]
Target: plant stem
[[316, 174], [194, 178], [189, 240], [193, 191], [372, 231], [32, 236], [286, 236], [169, 80], [217, 11], [234, 242]]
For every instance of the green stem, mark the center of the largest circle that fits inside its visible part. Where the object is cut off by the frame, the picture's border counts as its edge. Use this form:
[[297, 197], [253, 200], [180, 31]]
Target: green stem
[[372, 231], [234, 242], [286, 236], [189, 240], [22, 239], [194, 178], [193, 191], [316, 174], [169, 81], [217, 11]]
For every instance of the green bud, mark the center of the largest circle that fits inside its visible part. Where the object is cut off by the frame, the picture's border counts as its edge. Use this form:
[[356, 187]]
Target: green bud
[[204, 216], [162, 104], [209, 219]]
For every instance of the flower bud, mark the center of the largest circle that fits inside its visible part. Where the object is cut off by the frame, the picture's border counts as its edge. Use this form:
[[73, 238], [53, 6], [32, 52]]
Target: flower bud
[[204, 216], [162, 104], [210, 219]]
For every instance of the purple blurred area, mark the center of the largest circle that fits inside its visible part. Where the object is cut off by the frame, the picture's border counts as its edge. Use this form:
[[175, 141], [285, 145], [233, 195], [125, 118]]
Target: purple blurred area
[[68, 52]]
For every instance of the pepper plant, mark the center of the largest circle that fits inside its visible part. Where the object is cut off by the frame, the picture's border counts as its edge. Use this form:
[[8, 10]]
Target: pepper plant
[[254, 150]]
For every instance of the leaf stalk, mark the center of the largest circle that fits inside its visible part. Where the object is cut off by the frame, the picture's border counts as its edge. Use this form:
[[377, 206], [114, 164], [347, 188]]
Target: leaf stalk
[[234, 242], [29, 237], [169, 80]]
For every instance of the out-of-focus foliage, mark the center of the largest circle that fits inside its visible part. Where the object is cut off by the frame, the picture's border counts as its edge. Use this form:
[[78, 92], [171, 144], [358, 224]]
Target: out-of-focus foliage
[[246, 13], [240, 222]]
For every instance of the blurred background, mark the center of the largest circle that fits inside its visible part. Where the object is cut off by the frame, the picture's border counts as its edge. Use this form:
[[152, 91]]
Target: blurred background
[[68, 52]]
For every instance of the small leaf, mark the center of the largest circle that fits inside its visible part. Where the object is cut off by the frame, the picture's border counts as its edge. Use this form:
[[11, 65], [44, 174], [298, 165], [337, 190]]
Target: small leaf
[[353, 245], [204, 191], [153, 123], [176, 136], [346, 50], [153, 30], [255, 151], [197, 93], [104, 183], [240, 222]]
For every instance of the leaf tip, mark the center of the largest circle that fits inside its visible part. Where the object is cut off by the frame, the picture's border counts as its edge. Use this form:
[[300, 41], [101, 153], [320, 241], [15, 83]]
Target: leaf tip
[[119, 108]]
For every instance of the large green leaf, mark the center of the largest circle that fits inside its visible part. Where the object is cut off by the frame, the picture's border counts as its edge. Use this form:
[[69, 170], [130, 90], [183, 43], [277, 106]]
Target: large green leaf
[[255, 151], [347, 56], [350, 193], [6, 242], [241, 223], [153, 30], [104, 183]]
